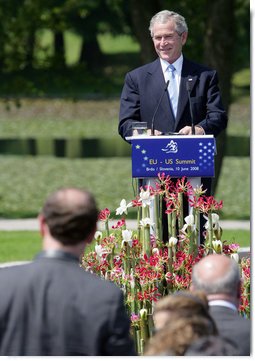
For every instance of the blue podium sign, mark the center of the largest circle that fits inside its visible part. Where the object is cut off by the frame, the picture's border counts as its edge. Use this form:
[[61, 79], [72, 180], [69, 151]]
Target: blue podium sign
[[175, 155]]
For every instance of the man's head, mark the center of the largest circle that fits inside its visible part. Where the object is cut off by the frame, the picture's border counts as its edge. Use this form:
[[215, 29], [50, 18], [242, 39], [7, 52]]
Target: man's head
[[217, 275], [169, 33], [69, 216]]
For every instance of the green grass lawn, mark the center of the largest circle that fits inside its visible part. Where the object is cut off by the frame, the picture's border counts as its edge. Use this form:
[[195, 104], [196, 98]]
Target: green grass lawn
[[19, 245], [26, 181], [24, 245]]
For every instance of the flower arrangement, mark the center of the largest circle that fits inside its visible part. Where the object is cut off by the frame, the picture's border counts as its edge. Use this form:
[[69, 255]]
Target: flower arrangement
[[145, 267]]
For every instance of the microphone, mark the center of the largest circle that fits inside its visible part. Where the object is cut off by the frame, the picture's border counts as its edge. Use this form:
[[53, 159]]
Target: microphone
[[159, 102], [188, 87]]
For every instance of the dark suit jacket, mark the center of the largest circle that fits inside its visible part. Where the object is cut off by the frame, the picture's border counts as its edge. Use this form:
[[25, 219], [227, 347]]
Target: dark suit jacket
[[234, 327], [144, 86], [53, 307]]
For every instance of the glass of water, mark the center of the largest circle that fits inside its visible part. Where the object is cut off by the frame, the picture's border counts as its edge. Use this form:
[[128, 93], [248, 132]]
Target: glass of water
[[139, 128]]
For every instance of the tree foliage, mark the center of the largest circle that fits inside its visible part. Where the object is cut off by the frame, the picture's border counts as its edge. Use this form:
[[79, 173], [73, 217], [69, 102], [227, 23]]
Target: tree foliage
[[20, 20], [218, 35]]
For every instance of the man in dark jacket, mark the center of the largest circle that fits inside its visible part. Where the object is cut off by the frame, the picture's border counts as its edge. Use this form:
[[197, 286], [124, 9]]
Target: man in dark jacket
[[157, 94], [144, 86], [52, 307], [219, 276]]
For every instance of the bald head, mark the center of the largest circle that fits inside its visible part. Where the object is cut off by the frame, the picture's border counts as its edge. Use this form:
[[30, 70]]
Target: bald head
[[70, 214], [216, 274]]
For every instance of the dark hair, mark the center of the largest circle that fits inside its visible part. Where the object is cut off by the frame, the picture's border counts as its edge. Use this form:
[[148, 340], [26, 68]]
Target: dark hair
[[71, 215]]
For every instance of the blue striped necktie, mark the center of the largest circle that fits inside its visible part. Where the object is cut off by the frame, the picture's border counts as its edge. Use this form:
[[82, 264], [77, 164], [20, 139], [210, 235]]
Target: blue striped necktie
[[172, 88]]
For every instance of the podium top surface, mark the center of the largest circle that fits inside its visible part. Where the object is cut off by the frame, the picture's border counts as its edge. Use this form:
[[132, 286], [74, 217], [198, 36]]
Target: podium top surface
[[168, 136]]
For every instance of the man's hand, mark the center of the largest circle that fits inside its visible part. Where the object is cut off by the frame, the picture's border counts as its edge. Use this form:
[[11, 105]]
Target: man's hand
[[188, 131], [156, 132]]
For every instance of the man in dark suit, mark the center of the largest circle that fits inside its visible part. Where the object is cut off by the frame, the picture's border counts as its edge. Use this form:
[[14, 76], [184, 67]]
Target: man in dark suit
[[219, 276], [144, 86], [52, 307]]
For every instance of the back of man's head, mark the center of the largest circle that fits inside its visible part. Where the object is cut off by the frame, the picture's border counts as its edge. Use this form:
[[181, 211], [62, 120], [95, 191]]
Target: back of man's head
[[70, 214], [216, 274]]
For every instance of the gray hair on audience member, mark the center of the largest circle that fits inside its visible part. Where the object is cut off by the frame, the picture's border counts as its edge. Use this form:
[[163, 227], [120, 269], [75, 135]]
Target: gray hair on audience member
[[227, 283]]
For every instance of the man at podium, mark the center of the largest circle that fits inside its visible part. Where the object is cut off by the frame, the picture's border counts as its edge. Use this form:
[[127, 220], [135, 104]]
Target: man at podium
[[143, 87], [172, 94]]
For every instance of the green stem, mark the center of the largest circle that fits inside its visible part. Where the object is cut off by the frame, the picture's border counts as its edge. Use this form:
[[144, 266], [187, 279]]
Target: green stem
[[169, 224], [170, 259], [139, 212], [144, 331], [181, 217], [210, 232], [170, 267], [107, 228], [147, 241], [160, 216], [156, 215], [173, 224]]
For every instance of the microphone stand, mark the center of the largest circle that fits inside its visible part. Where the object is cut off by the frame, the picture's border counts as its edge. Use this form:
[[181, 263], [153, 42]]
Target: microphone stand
[[188, 87]]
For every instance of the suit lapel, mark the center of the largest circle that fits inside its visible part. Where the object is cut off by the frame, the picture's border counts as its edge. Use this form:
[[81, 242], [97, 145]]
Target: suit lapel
[[157, 87], [187, 72]]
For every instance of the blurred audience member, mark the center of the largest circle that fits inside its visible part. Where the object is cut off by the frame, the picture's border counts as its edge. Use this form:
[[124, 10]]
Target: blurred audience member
[[212, 346], [179, 319], [177, 335], [52, 307], [180, 304], [219, 276]]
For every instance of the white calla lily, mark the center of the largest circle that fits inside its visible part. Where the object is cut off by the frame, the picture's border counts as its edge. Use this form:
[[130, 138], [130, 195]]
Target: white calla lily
[[99, 250], [145, 222], [127, 237], [217, 246], [98, 235], [235, 257], [123, 207], [172, 241], [155, 251], [145, 198], [189, 222], [143, 313], [215, 221]]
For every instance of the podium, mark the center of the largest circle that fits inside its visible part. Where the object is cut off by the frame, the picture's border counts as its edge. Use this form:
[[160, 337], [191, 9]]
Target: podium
[[190, 156], [176, 156]]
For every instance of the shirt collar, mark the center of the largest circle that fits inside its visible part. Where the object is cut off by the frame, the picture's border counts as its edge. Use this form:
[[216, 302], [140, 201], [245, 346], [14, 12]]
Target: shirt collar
[[58, 254], [177, 64], [223, 303]]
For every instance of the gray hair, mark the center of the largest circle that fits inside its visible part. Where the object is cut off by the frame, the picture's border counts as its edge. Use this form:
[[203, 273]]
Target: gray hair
[[164, 16], [227, 284]]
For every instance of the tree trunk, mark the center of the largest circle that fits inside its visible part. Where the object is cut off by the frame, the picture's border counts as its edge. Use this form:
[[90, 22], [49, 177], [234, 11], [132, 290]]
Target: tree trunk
[[59, 50], [30, 49], [91, 54], [218, 54], [141, 13]]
